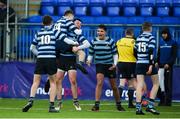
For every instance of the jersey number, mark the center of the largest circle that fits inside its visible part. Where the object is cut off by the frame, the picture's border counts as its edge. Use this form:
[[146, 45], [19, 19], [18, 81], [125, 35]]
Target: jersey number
[[57, 26], [45, 39], [141, 47]]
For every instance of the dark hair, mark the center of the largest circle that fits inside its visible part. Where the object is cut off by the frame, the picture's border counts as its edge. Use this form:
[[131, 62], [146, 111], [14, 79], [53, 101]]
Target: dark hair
[[165, 30], [102, 26], [4, 1], [47, 20], [77, 19], [146, 26], [129, 31], [68, 12]]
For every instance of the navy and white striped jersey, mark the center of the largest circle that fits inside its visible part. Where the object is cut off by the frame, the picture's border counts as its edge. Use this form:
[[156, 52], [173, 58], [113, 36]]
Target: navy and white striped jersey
[[80, 39], [65, 25], [144, 43], [103, 50], [45, 40]]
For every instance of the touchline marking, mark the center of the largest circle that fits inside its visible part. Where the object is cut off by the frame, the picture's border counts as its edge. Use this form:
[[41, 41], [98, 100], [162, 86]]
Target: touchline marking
[[85, 110]]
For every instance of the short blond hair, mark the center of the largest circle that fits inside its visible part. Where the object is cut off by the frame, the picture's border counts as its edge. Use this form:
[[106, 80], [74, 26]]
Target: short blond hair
[[146, 26]]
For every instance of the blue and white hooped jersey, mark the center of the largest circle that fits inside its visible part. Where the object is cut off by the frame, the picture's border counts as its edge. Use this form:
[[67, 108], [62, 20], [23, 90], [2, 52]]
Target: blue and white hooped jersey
[[103, 50], [144, 43], [45, 40], [64, 25]]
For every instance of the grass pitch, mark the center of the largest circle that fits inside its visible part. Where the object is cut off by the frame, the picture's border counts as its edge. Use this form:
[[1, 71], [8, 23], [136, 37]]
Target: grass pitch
[[12, 108]]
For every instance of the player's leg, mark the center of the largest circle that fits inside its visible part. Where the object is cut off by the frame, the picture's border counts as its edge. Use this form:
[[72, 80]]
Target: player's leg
[[131, 88], [153, 93], [144, 96], [140, 84], [72, 77], [116, 94], [60, 77], [98, 91], [52, 92], [122, 82], [122, 77], [81, 58], [51, 69], [35, 85]]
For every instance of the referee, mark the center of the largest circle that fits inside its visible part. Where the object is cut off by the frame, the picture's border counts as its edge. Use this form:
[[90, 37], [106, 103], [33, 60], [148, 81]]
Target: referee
[[126, 64]]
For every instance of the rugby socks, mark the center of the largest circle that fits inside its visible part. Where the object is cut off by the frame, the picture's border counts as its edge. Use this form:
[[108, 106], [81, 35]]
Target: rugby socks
[[31, 99], [97, 103], [118, 103], [59, 101], [75, 100], [130, 94], [51, 104], [151, 103], [121, 88], [138, 106]]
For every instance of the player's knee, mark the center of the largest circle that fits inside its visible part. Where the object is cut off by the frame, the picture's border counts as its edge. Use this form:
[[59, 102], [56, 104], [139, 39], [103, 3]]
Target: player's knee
[[114, 87], [73, 82]]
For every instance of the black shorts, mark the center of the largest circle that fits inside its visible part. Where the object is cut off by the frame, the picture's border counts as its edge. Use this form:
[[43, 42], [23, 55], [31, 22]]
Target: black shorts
[[104, 69], [141, 69], [62, 47], [67, 63], [126, 70], [46, 66]]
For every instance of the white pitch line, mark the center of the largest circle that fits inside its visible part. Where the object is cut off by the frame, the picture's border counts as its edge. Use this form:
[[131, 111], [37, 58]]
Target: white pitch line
[[86, 110]]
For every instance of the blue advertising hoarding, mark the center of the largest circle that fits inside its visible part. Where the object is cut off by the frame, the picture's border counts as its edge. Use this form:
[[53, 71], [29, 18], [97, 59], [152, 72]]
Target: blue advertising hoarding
[[16, 79]]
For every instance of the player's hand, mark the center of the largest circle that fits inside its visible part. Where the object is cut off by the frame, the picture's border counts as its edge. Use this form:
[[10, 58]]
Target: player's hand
[[156, 65], [166, 66], [149, 70], [88, 63], [75, 49], [112, 67], [76, 43]]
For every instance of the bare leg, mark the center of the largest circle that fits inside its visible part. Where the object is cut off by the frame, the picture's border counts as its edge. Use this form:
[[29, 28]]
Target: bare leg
[[72, 77], [60, 77], [52, 80], [35, 85], [100, 81], [155, 87]]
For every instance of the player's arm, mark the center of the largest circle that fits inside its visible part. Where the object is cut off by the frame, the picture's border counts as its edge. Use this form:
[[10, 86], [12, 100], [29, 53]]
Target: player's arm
[[135, 50], [151, 47], [85, 43], [33, 47], [114, 52], [91, 54], [63, 37]]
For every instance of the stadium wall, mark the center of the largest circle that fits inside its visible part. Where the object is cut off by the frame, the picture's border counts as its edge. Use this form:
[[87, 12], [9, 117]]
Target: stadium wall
[[16, 79]]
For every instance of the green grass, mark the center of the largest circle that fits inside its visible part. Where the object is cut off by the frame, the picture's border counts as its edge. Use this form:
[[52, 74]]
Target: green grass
[[11, 108]]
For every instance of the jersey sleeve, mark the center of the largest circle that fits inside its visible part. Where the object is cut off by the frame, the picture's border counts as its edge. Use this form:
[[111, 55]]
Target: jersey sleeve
[[152, 43], [59, 35], [113, 47], [91, 48], [35, 40], [81, 38]]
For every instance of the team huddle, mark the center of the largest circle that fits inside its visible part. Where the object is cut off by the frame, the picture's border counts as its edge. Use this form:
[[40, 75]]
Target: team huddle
[[59, 49]]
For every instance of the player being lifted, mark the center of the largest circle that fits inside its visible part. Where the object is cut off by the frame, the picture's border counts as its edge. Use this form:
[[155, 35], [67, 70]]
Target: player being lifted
[[66, 25], [76, 49], [67, 58]]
